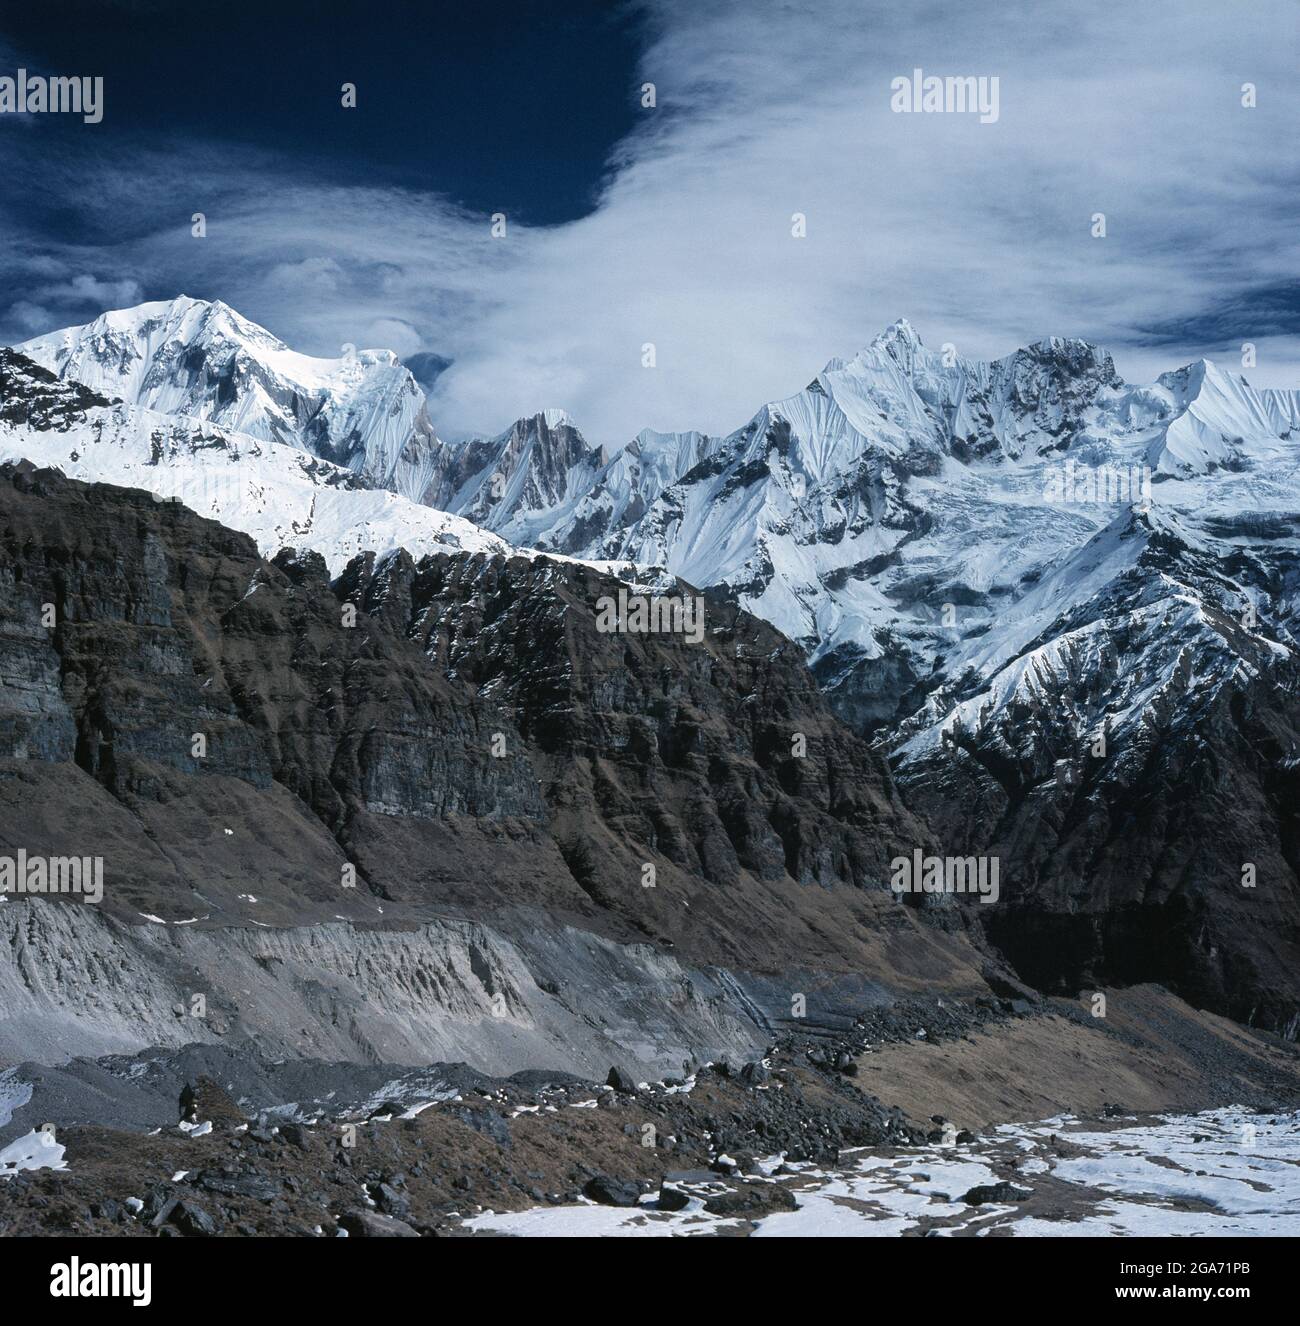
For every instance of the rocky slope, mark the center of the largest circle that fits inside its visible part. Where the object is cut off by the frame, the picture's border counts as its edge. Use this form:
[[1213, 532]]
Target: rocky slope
[[1129, 741], [222, 1146], [1062, 605], [1065, 607], [652, 750], [407, 816]]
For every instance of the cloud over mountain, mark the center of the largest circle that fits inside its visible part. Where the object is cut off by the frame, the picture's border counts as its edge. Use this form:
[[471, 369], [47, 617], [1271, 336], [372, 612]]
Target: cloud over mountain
[[980, 232]]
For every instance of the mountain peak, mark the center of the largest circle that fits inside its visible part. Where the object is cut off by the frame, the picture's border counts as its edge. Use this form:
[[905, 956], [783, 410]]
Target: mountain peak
[[550, 421], [1186, 382], [157, 310], [1057, 360], [203, 359], [899, 341], [898, 330], [182, 319]]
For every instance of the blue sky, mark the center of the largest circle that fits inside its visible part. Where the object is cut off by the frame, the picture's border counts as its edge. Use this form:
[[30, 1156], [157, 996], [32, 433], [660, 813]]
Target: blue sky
[[669, 225]]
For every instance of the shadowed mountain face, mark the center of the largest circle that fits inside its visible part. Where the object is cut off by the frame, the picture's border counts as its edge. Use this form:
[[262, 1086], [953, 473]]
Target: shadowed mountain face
[[513, 483], [1134, 756], [236, 737], [460, 737], [32, 397]]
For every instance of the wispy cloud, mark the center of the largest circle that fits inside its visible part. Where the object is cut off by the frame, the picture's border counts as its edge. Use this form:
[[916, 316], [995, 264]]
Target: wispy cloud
[[979, 233]]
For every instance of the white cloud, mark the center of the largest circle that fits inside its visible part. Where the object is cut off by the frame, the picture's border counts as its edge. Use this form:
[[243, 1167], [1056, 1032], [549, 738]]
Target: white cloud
[[34, 318], [393, 334], [979, 233], [87, 289]]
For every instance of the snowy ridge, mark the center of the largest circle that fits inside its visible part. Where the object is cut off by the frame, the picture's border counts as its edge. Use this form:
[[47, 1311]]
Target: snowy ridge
[[279, 495], [920, 522], [520, 482], [1141, 607], [622, 490], [203, 360], [1217, 413]]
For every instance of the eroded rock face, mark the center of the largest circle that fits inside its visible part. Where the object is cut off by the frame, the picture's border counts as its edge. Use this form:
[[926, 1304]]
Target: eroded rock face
[[266, 762], [458, 738], [166, 628], [718, 763]]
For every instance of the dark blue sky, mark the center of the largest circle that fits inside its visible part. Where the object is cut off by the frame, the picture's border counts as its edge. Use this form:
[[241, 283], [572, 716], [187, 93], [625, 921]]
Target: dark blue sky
[[673, 225], [508, 105]]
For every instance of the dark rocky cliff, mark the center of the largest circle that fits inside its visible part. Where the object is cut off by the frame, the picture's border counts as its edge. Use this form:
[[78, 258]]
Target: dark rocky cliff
[[236, 736]]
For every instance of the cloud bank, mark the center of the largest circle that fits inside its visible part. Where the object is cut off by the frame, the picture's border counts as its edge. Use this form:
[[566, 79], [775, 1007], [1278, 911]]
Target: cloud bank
[[980, 233]]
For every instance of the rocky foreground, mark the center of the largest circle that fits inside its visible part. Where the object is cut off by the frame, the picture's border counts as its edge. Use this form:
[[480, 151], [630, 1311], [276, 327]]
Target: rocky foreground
[[447, 1151]]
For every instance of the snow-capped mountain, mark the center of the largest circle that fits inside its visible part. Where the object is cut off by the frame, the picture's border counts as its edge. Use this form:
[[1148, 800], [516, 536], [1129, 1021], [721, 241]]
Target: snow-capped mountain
[[903, 503], [541, 484], [280, 495], [538, 482], [520, 482], [204, 361], [906, 500], [1215, 416], [1126, 739], [624, 488], [1069, 608]]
